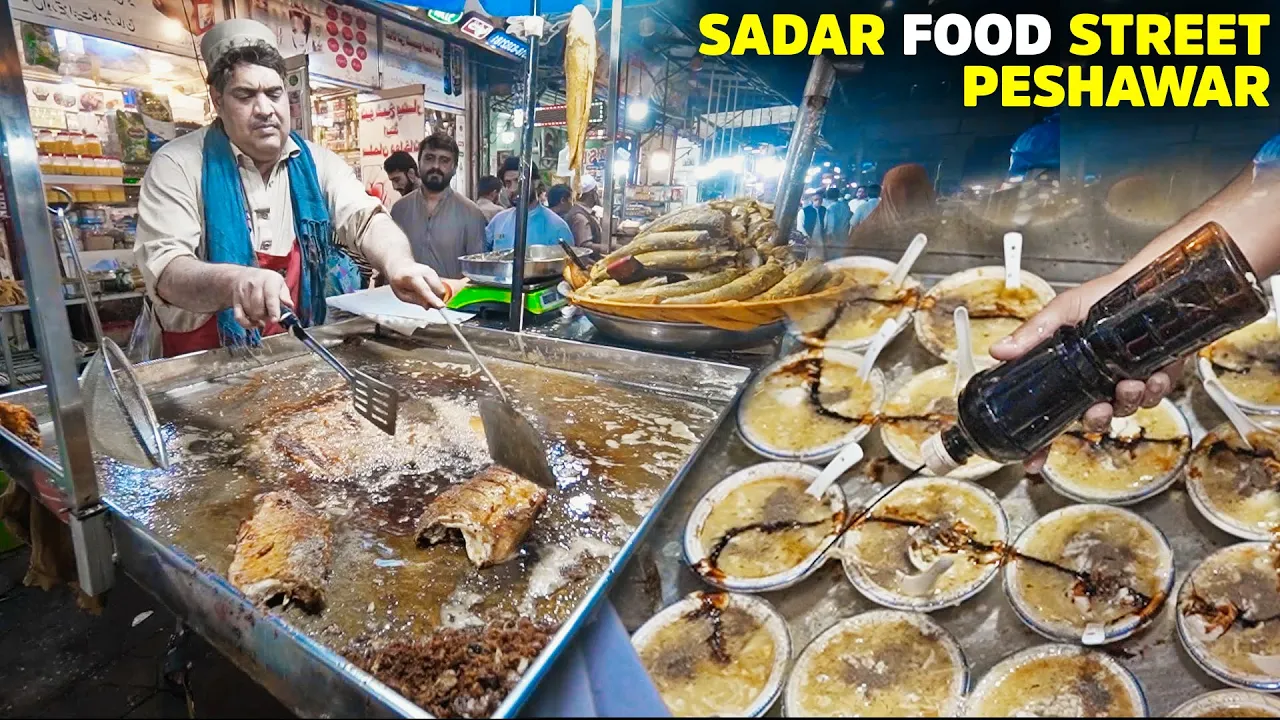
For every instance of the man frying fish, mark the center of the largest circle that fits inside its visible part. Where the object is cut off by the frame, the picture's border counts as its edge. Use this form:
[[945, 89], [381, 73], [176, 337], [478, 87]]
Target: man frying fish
[[242, 219]]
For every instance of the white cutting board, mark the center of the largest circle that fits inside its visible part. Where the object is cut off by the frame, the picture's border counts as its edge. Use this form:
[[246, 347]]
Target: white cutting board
[[382, 306]]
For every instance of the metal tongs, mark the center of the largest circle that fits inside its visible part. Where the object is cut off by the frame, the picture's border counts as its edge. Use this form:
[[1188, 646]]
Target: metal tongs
[[374, 400]]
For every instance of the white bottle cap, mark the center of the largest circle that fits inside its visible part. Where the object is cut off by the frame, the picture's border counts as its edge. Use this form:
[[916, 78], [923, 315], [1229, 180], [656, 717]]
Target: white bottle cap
[[936, 458]]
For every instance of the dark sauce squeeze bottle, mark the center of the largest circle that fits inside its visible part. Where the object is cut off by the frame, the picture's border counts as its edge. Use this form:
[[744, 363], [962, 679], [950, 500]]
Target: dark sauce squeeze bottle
[[1195, 293]]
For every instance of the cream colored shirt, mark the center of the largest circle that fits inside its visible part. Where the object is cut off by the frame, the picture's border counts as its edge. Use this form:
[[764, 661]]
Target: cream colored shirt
[[171, 212]]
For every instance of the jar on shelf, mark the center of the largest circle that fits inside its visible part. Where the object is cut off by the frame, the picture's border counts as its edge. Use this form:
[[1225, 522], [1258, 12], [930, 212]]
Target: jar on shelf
[[46, 164], [75, 165], [60, 165], [47, 142], [92, 146], [117, 194]]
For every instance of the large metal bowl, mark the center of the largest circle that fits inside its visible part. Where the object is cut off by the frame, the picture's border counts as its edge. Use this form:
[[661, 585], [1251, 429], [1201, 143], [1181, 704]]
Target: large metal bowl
[[680, 337], [541, 262]]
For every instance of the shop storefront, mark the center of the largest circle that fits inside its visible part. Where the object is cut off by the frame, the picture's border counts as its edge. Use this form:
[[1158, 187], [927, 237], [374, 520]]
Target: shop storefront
[[107, 85], [366, 87]]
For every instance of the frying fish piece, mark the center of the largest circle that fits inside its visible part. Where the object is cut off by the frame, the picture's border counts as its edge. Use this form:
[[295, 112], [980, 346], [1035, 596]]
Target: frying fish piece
[[678, 240], [284, 550], [580, 76], [749, 285], [684, 287], [698, 217], [491, 513], [800, 281], [684, 259]]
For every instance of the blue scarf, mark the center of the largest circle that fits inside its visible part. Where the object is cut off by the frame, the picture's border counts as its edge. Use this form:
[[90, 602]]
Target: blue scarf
[[326, 271]]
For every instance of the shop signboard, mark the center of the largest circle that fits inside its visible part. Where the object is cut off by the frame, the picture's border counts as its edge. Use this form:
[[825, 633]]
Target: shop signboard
[[476, 26], [172, 26], [386, 126], [410, 57], [339, 42], [508, 44]]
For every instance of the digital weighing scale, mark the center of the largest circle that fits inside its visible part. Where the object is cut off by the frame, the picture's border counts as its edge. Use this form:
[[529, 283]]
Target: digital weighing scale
[[541, 300]]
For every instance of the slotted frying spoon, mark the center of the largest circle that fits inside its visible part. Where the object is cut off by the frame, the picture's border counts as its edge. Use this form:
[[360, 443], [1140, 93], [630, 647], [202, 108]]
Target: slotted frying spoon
[[374, 400], [122, 423]]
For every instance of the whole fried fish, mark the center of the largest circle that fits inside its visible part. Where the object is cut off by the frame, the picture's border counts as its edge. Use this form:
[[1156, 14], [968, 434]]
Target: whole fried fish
[[698, 217], [747, 286]]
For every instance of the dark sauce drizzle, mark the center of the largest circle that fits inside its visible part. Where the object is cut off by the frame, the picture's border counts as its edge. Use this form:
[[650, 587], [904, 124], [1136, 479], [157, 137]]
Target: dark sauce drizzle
[[711, 606], [959, 537]]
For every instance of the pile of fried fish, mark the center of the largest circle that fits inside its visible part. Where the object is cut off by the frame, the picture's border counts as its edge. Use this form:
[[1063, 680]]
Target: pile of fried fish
[[709, 253]]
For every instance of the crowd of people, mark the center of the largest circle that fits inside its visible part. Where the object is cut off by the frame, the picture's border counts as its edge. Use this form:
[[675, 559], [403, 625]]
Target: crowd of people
[[443, 225]]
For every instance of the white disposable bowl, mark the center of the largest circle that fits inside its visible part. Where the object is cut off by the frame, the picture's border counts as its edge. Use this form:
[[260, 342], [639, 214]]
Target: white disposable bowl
[[863, 583], [1200, 497], [1041, 288], [861, 261], [1197, 649], [822, 453], [914, 458], [762, 611], [695, 553], [1067, 488], [1005, 667], [1215, 702], [1113, 633], [835, 632]]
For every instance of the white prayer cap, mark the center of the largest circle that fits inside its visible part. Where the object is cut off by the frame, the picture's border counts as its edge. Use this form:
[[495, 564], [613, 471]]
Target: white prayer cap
[[230, 34], [588, 184]]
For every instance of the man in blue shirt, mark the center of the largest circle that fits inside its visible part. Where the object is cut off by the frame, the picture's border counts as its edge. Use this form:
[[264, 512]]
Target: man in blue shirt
[[545, 227]]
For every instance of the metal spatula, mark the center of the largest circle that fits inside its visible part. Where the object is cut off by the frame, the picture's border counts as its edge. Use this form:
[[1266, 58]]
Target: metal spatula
[[513, 441], [374, 400]]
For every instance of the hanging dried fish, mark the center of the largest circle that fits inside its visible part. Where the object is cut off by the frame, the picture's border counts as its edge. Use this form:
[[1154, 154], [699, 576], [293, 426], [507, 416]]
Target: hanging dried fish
[[579, 86]]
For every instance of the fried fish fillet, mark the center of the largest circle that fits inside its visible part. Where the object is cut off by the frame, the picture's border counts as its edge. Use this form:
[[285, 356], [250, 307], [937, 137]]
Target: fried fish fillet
[[284, 550], [491, 512]]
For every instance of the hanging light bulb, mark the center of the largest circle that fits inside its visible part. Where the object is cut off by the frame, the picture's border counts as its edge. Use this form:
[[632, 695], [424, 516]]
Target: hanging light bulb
[[638, 110]]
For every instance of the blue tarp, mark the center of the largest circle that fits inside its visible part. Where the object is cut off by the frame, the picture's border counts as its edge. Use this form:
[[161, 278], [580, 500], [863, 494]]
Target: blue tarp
[[1269, 155], [1036, 149]]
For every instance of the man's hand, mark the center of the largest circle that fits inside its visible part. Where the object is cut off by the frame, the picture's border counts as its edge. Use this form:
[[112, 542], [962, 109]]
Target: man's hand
[[418, 284], [1070, 308], [257, 297]]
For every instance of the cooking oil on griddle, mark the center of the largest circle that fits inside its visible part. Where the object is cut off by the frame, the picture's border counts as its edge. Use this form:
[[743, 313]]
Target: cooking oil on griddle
[[614, 449]]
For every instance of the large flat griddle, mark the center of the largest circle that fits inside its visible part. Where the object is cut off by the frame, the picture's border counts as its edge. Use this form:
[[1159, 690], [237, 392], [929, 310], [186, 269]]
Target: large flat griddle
[[622, 427]]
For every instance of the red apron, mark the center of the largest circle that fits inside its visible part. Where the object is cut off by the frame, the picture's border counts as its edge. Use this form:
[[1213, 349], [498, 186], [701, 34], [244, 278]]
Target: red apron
[[205, 337]]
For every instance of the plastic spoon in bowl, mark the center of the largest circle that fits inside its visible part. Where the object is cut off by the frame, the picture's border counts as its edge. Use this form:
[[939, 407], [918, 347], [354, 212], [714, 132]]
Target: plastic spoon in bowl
[[1243, 424], [922, 583], [966, 367], [1013, 260], [848, 457], [885, 335], [903, 268]]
